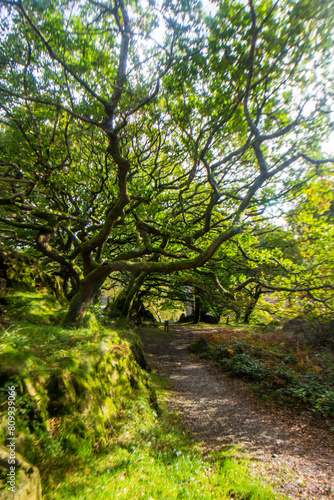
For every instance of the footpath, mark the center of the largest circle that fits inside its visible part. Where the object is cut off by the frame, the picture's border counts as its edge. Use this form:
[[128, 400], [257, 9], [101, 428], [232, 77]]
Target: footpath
[[292, 452]]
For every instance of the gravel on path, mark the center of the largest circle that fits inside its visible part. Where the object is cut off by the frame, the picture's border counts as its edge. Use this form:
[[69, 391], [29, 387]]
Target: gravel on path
[[294, 451]]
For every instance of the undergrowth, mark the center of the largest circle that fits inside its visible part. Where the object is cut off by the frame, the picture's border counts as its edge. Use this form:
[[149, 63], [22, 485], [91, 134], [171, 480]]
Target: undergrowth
[[70, 384], [281, 366]]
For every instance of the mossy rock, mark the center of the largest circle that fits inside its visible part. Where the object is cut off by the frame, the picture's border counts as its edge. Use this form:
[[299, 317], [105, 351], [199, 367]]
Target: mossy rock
[[36, 308], [139, 356], [27, 478], [71, 402], [13, 361]]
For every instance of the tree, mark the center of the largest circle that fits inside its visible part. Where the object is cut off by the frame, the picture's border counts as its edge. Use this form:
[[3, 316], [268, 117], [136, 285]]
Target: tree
[[124, 153], [311, 221]]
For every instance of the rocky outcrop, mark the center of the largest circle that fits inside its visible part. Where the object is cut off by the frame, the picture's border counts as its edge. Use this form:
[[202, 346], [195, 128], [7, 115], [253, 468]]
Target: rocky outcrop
[[73, 400], [27, 482], [204, 318]]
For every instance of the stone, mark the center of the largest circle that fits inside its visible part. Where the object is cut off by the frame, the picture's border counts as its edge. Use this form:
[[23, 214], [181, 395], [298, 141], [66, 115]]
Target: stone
[[28, 481], [210, 319]]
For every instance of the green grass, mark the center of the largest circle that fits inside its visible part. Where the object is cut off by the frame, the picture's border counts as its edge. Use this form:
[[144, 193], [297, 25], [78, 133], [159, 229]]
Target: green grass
[[153, 458], [35, 327]]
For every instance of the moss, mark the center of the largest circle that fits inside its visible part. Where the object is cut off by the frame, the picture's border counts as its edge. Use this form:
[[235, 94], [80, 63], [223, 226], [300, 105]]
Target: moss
[[82, 395], [71, 384], [139, 356], [13, 361], [36, 308]]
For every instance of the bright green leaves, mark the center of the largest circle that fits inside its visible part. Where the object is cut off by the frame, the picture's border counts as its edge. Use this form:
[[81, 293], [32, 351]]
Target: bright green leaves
[[210, 115]]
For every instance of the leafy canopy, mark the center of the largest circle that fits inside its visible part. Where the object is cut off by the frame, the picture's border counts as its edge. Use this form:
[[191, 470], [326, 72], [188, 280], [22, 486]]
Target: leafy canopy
[[143, 137]]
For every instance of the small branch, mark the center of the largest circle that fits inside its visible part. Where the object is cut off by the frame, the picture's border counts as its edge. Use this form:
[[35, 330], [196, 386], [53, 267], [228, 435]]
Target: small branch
[[57, 58]]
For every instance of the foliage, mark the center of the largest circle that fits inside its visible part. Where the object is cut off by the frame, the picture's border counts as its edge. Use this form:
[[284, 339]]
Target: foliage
[[127, 156], [311, 220], [268, 274], [282, 366]]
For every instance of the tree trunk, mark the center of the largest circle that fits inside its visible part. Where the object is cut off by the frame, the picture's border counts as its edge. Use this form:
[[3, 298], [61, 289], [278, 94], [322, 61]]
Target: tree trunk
[[122, 305], [250, 308], [198, 307], [134, 287], [81, 301], [115, 307], [248, 312]]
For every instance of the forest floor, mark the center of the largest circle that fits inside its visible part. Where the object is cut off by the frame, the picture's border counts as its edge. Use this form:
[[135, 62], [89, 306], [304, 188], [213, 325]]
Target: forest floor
[[293, 452]]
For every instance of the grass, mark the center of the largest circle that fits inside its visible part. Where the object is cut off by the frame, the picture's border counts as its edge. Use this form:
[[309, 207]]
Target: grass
[[153, 458], [281, 366], [34, 326], [148, 457]]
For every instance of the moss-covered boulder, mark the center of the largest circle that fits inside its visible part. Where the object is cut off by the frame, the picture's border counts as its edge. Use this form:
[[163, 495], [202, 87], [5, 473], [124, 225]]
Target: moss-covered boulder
[[19, 270], [68, 401], [19, 480]]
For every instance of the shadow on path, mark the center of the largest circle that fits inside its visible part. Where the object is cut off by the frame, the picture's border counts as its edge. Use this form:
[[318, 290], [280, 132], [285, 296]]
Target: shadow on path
[[220, 410]]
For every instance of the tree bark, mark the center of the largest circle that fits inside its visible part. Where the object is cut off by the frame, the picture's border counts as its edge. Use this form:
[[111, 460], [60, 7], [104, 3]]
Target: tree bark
[[250, 308], [81, 301], [133, 289], [198, 307]]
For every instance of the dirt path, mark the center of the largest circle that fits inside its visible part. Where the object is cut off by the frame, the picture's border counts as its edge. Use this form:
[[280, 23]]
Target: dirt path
[[297, 455]]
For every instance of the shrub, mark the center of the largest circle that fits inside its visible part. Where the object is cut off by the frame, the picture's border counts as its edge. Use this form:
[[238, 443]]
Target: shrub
[[277, 372]]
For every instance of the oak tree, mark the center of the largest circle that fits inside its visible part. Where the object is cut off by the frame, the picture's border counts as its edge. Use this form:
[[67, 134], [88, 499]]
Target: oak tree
[[142, 137]]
